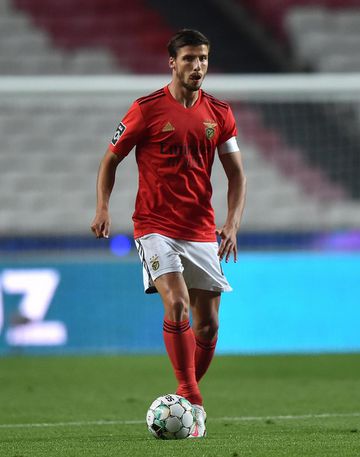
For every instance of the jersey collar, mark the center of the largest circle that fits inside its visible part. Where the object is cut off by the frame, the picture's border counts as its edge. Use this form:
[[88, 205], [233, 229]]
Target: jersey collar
[[179, 105]]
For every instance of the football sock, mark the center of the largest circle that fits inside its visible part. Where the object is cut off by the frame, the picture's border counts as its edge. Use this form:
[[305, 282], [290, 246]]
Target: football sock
[[203, 356], [180, 345]]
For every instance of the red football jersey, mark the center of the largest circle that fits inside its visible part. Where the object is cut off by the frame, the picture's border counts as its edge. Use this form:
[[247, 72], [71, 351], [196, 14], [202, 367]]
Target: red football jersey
[[175, 148]]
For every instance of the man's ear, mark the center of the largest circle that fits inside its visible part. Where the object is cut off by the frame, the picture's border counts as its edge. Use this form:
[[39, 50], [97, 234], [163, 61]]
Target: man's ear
[[171, 62]]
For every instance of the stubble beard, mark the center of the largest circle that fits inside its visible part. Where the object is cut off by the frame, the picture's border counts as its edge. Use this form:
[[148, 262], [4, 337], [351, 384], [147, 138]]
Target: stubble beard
[[191, 87]]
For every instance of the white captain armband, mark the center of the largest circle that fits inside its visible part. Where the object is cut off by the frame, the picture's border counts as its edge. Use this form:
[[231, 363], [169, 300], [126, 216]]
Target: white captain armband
[[229, 146]]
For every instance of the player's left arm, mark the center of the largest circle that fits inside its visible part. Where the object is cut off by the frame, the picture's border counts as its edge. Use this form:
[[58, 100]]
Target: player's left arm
[[234, 170]]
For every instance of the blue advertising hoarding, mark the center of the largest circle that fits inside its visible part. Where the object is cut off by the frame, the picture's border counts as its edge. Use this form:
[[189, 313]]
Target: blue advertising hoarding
[[292, 302], [281, 303]]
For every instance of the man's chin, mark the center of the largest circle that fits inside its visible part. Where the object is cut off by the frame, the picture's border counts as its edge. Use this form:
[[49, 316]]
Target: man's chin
[[193, 85]]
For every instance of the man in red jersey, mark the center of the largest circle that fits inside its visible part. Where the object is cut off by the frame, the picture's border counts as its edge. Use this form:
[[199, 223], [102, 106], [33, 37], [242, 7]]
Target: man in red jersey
[[176, 131]]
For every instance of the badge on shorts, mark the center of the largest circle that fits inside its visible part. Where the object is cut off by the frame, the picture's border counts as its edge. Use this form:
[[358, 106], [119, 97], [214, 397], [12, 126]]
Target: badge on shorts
[[154, 262], [119, 131]]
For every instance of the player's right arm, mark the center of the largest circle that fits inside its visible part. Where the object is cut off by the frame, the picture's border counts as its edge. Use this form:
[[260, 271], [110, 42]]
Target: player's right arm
[[104, 186], [127, 135]]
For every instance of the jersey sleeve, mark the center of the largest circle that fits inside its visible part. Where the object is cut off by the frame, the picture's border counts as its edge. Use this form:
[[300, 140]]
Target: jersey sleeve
[[229, 129], [129, 132]]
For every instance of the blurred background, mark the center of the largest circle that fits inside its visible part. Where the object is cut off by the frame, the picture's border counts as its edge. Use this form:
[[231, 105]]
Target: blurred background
[[69, 70]]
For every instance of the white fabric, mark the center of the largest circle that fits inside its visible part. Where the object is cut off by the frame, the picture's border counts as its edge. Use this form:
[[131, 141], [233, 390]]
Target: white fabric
[[197, 261], [229, 146]]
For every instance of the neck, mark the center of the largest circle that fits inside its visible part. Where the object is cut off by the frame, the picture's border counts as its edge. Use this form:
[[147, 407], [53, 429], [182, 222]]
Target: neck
[[182, 95]]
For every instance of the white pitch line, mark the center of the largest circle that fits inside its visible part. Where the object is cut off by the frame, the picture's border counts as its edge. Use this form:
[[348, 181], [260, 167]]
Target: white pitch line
[[290, 417], [135, 422], [72, 424]]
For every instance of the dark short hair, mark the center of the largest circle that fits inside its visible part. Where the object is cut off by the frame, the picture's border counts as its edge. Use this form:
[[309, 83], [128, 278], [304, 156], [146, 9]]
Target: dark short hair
[[186, 37]]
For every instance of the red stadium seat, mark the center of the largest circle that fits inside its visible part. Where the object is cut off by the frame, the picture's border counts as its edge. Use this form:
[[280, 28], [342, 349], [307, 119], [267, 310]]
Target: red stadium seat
[[130, 29]]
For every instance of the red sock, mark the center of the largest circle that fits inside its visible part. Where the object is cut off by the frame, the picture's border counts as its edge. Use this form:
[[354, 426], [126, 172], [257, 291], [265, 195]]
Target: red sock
[[203, 356], [180, 345]]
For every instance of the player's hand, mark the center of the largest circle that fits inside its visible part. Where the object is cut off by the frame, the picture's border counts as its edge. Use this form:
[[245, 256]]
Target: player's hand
[[228, 244], [101, 224]]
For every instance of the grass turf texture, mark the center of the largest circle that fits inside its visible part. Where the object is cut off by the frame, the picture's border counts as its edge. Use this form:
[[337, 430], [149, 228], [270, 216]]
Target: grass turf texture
[[83, 406]]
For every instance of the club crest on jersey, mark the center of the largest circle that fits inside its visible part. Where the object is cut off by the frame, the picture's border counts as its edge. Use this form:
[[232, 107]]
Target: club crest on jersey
[[210, 129], [119, 131], [154, 262]]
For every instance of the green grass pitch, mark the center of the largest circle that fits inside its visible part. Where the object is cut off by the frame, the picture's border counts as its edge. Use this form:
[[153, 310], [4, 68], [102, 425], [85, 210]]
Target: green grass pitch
[[269, 406]]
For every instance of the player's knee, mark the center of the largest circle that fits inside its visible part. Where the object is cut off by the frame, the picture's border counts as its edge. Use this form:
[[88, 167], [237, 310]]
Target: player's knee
[[208, 331], [177, 309]]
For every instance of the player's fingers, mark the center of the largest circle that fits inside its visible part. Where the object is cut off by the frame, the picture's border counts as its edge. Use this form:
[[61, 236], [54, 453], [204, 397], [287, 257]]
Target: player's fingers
[[94, 229], [219, 232], [220, 249], [223, 248], [235, 253], [98, 229], [102, 230], [232, 249], [229, 250], [106, 231]]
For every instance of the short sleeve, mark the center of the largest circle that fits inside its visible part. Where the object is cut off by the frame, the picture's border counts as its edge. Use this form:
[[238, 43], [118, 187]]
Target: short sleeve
[[129, 132], [229, 129]]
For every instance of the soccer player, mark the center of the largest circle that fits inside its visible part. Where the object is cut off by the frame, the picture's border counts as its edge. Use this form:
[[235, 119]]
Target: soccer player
[[176, 131]]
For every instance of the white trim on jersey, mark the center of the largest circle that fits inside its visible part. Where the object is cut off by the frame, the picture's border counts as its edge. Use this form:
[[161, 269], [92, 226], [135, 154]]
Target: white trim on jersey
[[229, 146]]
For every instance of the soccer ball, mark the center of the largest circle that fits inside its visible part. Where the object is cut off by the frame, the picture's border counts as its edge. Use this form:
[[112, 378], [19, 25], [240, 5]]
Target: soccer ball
[[170, 417]]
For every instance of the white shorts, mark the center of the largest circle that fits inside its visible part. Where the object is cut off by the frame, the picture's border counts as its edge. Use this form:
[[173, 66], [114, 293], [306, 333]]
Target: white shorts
[[197, 261]]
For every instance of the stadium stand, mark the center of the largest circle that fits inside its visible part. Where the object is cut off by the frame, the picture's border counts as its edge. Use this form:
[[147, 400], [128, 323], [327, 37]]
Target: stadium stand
[[323, 35], [132, 32], [51, 145], [48, 172], [272, 14], [26, 49], [228, 29], [325, 39]]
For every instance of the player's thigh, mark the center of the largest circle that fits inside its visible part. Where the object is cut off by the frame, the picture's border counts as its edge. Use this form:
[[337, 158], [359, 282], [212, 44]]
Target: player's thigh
[[202, 269], [158, 255], [205, 306], [174, 295]]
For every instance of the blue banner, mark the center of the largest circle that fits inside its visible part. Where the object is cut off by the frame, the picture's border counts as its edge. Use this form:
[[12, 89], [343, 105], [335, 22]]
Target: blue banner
[[282, 302], [292, 302]]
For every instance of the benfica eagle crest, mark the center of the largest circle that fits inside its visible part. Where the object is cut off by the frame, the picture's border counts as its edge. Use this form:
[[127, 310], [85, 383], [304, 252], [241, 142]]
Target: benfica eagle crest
[[210, 129], [154, 262]]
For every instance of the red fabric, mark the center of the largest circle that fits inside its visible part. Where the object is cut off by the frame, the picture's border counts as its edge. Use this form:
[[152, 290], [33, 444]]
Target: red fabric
[[180, 345], [203, 356], [175, 149]]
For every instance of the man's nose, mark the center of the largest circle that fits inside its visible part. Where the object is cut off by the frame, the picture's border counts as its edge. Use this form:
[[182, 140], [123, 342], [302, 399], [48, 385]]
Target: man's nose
[[197, 64]]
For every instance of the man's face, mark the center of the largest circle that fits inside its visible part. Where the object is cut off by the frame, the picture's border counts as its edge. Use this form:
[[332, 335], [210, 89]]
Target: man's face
[[190, 66]]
